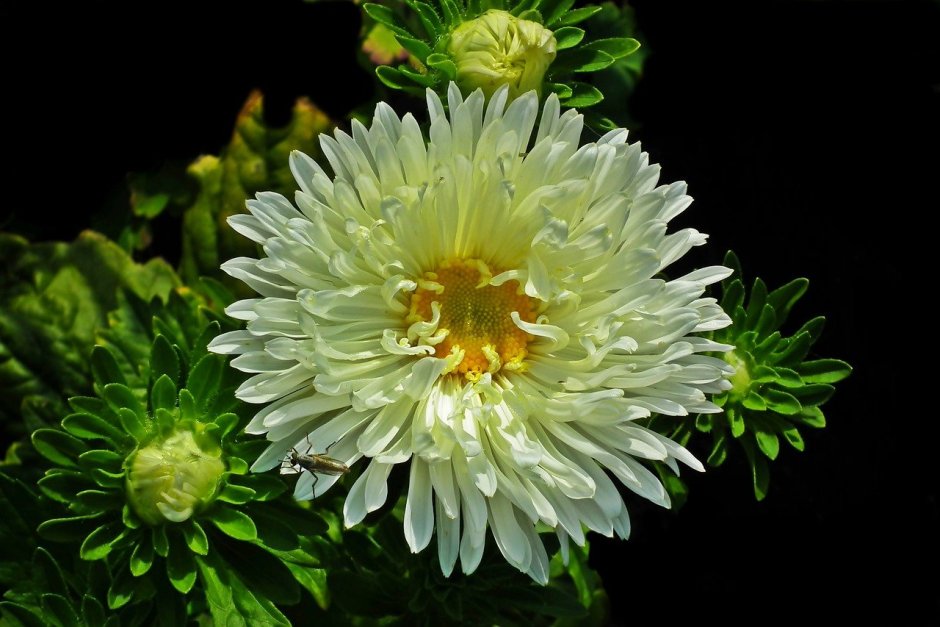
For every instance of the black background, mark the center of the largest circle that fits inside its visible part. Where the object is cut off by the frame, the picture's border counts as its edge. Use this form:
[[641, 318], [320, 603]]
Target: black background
[[807, 133]]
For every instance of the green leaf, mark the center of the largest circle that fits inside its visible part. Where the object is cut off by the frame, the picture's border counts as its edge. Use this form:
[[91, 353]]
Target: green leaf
[[58, 610], [203, 381], [429, 18], [443, 64], [195, 537], [390, 77], [181, 568], [760, 470], [756, 303], [163, 360], [814, 394], [266, 487], [568, 37], [233, 523], [784, 297], [105, 368], [583, 95], [781, 402], [415, 46], [68, 529], [792, 435], [236, 494], [733, 295], [163, 393], [92, 501], [98, 543], [556, 12], [767, 442], [133, 425], [55, 296], [719, 452], [617, 47], [824, 370], [57, 446], [161, 544], [230, 602], [90, 427], [735, 421], [559, 89], [384, 15], [92, 612], [313, 580], [581, 59], [98, 458], [578, 15], [256, 159], [20, 615], [141, 558], [61, 486]]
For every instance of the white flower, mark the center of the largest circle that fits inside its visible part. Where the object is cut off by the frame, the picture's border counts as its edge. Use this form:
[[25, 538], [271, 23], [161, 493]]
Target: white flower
[[483, 306]]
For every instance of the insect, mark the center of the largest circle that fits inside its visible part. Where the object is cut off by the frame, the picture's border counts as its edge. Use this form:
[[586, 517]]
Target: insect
[[317, 464]]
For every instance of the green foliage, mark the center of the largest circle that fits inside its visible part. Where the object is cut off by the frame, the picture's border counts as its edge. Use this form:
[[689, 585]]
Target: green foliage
[[777, 388], [596, 44], [232, 555], [213, 187], [55, 296]]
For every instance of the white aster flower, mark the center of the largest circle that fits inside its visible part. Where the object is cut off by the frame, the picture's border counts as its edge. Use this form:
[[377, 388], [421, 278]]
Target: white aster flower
[[484, 306]]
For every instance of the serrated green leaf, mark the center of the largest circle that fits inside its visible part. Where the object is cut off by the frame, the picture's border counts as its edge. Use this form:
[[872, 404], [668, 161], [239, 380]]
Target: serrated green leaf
[[141, 558], [559, 89], [766, 321], [703, 422], [195, 537], [429, 18], [443, 64], [784, 297], [754, 401], [98, 458], [733, 295], [119, 396], [424, 80], [756, 302], [132, 424], [57, 446], [555, 11], [105, 368], [188, 407], [767, 442], [617, 47], [583, 95], [391, 77], [107, 479], [233, 523], [568, 37], [824, 370], [98, 543]]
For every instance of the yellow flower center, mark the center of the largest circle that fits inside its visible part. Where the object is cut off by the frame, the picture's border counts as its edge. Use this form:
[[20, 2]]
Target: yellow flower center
[[476, 318]]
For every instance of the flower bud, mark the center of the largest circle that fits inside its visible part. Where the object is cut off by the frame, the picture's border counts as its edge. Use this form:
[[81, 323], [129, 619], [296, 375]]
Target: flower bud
[[170, 479], [498, 49]]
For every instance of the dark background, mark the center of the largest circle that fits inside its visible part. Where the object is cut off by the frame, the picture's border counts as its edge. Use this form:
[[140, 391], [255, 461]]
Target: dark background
[[807, 133]]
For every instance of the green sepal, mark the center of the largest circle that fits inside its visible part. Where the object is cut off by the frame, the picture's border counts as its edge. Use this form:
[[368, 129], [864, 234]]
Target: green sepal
[[57, 446]]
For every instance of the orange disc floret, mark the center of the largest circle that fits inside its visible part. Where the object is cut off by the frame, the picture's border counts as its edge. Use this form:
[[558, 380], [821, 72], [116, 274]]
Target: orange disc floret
[[476, 315]]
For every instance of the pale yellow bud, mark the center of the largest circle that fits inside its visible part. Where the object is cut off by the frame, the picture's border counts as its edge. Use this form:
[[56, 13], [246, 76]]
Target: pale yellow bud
[[172, 478], [499, 49]]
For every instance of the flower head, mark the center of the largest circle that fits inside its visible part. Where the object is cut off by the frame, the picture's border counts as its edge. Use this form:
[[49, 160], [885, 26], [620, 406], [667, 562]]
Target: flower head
[[486, 306], [497, 49]]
